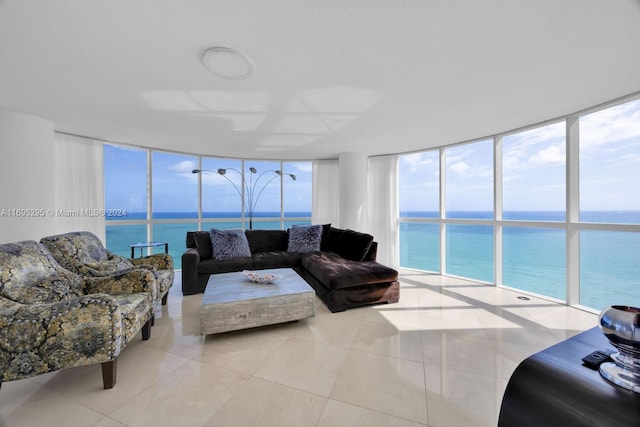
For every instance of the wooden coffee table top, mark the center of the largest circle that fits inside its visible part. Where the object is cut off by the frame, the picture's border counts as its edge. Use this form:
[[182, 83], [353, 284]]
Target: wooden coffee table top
[[231, 302], [230, 287]]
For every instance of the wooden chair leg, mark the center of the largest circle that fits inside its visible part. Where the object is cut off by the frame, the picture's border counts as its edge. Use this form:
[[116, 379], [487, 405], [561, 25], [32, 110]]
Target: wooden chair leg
[[165, 298], [109, 373], [146, 330]]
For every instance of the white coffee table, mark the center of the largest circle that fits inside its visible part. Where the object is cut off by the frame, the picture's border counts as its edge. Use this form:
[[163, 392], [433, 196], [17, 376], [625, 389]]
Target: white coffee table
[[231, 302]]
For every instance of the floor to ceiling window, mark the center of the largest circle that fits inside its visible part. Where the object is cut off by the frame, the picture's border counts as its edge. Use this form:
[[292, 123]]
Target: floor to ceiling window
[[469, 199], [125, 189], [534, 191], [176, 200], [419, 191], [609, 182], [535, 238]]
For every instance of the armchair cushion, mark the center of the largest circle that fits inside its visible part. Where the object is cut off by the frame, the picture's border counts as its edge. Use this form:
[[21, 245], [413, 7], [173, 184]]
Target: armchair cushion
[[72, 250], [31, 275], [113, 264]]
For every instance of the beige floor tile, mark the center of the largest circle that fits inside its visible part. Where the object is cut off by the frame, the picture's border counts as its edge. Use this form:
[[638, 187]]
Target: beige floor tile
[[458, 398], [139, 366], [263, 403], [330, 328], [46, 408], [15, 394], [386, 339], [340, 414], [241, 351], [469, 353], [168, 335], [306, 365], [108, 422], [188, 396], [386, 384]]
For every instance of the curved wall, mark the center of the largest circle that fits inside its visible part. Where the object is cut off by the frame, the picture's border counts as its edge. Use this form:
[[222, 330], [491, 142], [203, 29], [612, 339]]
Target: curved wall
[[26, 173]]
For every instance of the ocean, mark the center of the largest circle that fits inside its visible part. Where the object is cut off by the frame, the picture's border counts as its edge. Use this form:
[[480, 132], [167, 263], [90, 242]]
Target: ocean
[[534, 258]]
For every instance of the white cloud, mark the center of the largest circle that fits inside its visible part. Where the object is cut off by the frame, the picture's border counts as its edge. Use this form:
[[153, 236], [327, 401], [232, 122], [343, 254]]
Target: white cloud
[[459, 167], [551, 154], [416, 161], [183, 167], [610, 125]]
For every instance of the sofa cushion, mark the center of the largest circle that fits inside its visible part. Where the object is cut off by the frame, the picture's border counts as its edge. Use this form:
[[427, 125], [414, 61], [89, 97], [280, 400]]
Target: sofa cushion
[[267, 240], [304, 238], [350, 244], [275, 259], [336, 272], [229, 244], [202, 241]]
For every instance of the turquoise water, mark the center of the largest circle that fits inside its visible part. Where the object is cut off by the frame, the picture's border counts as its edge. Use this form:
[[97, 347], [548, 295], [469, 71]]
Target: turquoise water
[[534, 258]]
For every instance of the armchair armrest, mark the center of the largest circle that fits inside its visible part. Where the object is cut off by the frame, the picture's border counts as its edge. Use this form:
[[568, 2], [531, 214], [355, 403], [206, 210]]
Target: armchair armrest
[[156, 261], [137, 280], [39, 338]]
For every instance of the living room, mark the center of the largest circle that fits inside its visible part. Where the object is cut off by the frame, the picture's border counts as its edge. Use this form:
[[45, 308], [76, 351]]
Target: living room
[[81, 79]]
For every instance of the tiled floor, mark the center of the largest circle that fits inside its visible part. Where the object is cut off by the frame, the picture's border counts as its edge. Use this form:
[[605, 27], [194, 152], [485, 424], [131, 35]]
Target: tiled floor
[[440, 357]]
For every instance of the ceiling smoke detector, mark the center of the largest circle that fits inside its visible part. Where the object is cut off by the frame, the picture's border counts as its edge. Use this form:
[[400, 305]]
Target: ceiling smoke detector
[[227, 63]]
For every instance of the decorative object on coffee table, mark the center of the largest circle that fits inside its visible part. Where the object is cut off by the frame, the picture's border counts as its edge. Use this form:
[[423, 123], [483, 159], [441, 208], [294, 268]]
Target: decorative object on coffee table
[[264, 277], [621, 325]]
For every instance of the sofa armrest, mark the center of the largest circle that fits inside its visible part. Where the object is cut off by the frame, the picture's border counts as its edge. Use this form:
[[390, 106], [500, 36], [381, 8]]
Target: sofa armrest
[[39, 338], [133, 281], [156, 261], [190, 263]]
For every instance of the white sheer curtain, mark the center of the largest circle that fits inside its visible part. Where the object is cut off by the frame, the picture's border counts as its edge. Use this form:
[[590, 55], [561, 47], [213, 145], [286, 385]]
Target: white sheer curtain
[[326, 192], [79, 185], [382, 202]]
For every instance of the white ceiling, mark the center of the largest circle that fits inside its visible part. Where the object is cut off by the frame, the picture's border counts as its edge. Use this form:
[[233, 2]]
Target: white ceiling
[[374, 76]]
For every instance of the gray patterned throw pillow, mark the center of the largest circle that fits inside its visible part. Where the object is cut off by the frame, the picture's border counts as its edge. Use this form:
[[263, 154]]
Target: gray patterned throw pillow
[[304, 238], [229, 244]]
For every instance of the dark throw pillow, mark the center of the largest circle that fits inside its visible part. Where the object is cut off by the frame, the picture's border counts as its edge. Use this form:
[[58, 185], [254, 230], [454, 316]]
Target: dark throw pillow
[[325, 239], [229, 244], [304, 238], [353, 245]]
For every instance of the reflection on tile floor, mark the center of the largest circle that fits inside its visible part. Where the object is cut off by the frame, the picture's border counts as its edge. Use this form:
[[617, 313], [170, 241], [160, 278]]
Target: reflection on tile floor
[[442, 356]]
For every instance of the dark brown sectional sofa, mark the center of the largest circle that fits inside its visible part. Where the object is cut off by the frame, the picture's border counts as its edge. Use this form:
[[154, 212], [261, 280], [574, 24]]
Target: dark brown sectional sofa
[[343, 273]]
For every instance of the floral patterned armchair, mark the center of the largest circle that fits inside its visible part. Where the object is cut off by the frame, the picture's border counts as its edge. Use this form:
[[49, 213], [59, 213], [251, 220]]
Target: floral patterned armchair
[[51, 318], [83, 253]]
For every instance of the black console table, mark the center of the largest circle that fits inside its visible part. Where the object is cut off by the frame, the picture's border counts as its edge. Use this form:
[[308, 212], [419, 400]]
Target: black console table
[[553, 388]]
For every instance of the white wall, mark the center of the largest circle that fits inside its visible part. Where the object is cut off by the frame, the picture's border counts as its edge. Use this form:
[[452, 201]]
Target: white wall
[[26, 177], [43, 174]]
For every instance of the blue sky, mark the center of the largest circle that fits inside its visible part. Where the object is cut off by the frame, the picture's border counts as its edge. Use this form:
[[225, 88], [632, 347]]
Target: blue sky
[[534, 168], [175, 187]]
